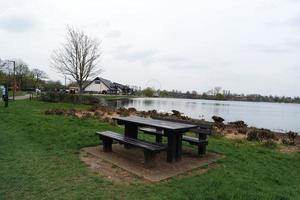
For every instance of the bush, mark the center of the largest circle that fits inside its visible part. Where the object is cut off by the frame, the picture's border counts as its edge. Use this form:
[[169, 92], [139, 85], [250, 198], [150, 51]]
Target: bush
[[253, 135], [57, 111], [265, 134], [289, 138], [217, 119], [242, 130], [260, 135], [71, 98], [238, 124], [123, 112]]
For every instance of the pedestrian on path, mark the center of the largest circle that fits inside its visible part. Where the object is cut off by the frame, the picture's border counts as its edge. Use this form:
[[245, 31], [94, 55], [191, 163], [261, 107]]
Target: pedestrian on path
[[2, 90]]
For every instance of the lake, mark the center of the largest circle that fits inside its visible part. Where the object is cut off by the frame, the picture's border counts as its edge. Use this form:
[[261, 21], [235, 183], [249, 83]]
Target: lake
[[275, 116]]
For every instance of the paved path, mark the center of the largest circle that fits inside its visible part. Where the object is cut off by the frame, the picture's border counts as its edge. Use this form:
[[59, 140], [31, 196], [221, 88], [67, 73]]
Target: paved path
[[27, 96]]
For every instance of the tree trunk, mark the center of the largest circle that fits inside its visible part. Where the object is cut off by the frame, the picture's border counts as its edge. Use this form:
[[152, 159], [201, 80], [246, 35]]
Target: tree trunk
[[80, 88]]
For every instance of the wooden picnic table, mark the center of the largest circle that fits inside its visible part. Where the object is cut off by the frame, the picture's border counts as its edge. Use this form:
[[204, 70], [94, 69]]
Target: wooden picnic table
[[173, 131]]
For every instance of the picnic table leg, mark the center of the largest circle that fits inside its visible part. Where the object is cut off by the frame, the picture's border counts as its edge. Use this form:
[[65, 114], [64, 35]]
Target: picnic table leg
[[178, 146], [131, 130], [171, 149], [201, 146], [158, 138]]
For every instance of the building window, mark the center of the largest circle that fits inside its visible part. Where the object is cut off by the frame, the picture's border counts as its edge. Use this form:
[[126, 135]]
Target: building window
[[97, 81]]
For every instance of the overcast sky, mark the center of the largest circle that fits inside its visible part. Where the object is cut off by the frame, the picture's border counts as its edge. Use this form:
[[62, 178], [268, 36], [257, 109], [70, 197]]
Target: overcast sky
[[241, 45]]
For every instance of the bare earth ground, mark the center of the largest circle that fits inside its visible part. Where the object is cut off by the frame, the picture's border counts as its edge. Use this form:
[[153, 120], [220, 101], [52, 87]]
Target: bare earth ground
[[126, 165]]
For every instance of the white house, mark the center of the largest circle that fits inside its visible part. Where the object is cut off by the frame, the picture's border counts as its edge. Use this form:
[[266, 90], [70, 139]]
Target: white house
[[104, 86], [98, 85]]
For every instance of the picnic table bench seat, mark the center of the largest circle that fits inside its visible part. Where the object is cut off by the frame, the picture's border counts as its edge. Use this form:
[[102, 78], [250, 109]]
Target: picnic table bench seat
[[150, 149], [153, 131], [194, 141]]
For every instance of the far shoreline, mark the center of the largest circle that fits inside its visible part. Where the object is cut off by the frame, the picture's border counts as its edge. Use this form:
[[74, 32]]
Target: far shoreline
[[225, 100]]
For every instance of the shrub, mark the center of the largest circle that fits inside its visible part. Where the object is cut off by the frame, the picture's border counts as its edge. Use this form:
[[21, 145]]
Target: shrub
[[71, 98], [242, 130], [217, 119], [253, 135], [265, 134], [55, 111], [289, 138], [238, 124], [132, 110], [123, 112], [260, 135], [292, 135], [229, 131]]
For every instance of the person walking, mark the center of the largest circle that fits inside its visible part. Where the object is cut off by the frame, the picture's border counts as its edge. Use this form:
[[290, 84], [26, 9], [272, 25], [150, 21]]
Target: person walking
[[2, 89]]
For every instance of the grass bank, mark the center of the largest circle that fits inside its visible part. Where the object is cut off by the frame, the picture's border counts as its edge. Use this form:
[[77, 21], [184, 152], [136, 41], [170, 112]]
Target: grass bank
[[39, 159], [116, 97], [17, 93]]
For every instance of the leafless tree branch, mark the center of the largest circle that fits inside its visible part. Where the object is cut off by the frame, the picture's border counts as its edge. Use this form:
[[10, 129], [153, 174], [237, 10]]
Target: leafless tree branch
[[78, 57]]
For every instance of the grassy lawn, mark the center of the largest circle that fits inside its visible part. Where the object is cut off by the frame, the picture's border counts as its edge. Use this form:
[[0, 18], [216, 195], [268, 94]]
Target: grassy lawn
[[18, 93], [115, 97], [39, 159]]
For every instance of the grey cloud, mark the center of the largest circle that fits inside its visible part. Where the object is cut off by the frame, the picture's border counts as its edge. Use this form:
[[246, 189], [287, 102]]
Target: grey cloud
[[128, 53], [151, 56], [184, 66], [269, 48], [172, 59], [291, 22], [17, 23], [114, 34], [286, 46], [295, 21], [101, 23]]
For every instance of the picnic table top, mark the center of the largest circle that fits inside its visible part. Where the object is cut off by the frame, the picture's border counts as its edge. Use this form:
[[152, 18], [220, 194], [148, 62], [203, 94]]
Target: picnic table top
[[175, 126]]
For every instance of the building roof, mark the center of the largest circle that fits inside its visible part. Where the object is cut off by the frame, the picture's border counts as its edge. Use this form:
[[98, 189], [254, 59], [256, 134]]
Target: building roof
[[106, 82], [118, 85], [112, 86]]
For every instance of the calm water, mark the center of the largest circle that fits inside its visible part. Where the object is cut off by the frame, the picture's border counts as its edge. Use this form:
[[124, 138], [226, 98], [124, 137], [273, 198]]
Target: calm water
[[275, 116]]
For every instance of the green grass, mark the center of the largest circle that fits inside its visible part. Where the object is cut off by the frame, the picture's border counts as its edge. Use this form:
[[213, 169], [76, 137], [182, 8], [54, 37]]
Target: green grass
[[18, 93], [39, 159], [115, 97]]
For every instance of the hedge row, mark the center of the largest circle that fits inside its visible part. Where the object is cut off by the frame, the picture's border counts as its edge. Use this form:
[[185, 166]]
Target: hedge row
[[71, 98]]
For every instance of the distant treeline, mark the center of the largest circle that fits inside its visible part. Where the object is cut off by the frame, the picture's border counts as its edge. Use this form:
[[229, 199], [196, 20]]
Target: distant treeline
[[219, 94]]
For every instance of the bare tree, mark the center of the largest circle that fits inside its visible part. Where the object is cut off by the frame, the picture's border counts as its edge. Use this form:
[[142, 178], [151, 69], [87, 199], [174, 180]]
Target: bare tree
[[78, 57], [38, 75], [217, 90], [21, 71], [2, 63]]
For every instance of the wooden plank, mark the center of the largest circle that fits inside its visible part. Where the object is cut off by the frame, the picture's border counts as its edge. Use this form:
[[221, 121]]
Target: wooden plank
[[152, 131], [202, 128], [167, 125], [132, 141], [194, 140]]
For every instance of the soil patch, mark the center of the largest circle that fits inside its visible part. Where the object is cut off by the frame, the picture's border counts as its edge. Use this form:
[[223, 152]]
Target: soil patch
[[126, 165], [289, 149], [235, 136]]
